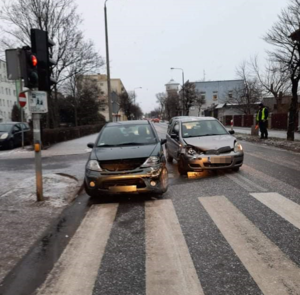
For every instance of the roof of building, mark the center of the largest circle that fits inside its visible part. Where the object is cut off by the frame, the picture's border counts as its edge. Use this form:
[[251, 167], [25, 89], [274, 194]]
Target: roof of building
[[172, 82]]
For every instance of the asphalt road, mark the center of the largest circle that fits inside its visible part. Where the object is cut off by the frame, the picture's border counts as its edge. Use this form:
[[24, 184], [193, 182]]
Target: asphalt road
[[226, 233]]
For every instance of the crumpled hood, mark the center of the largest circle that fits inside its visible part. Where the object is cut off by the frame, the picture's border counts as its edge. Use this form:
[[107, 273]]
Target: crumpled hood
[[125, 152], [211, 142]]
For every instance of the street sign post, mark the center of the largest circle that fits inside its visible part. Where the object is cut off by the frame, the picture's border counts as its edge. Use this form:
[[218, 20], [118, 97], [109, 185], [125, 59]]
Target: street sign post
[[22, 103]]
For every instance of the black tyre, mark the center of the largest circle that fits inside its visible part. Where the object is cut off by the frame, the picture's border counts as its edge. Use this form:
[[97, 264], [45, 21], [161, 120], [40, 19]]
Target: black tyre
[[181, 169], [11, 144], [236, 169], [169, 158], [164, 180]]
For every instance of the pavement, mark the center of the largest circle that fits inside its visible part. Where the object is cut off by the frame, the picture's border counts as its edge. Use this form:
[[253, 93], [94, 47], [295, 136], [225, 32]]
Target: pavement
[[272, 133], [221, 233]]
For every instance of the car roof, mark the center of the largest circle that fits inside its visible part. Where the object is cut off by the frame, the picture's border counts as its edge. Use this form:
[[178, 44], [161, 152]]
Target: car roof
[[190, 119], [132, 122]]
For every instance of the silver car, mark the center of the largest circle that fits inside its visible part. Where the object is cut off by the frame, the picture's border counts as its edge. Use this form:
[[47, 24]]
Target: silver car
[[202, 143]]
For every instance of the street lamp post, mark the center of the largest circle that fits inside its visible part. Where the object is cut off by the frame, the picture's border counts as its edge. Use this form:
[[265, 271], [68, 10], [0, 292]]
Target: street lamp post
[[182, 88], [107, 65], [134, 92]]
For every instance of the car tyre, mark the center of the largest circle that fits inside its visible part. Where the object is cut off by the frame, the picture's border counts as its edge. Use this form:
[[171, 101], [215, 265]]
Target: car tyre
[[181, 168], [11, 144], [169, 158], [236, 169]]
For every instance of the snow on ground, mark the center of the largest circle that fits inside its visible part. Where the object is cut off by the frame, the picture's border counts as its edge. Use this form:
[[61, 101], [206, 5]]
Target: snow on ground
[[58, 190]]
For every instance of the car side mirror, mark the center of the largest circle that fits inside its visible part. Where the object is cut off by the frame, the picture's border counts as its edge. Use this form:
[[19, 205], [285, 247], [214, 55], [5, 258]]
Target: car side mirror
[[174, 136], [231, 132], [163, 141], [90, 145]]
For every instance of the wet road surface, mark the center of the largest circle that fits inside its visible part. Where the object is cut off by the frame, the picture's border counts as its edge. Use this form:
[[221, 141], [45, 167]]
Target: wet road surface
[[224, 233]]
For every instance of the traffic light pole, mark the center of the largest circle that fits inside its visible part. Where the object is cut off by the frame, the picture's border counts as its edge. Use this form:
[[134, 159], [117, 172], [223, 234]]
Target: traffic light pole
[[21, 89], [38, 155]]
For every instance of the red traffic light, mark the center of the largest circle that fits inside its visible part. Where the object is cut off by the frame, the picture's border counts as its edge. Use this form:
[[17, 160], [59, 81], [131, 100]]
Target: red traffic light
[[34, 60]]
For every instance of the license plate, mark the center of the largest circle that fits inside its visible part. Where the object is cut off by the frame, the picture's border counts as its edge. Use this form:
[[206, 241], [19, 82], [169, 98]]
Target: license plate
[[220, 160], [122, 189]]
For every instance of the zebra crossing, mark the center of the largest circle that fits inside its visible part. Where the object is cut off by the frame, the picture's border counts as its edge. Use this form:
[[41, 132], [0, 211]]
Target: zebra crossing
[[224, 253]]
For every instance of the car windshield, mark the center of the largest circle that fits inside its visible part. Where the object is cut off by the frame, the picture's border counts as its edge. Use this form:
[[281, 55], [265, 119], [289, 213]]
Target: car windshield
[[127, 135], [5, 127], [202, 128]]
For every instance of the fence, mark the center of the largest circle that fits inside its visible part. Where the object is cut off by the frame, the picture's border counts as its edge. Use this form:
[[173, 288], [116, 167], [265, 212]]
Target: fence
[[276, 121]]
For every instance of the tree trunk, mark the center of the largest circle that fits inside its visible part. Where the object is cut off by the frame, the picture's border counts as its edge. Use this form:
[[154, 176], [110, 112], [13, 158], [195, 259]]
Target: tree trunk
[[293, 111]]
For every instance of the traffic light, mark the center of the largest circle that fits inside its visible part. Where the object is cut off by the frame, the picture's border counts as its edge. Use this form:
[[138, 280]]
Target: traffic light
[[41, 46], [29, 68]]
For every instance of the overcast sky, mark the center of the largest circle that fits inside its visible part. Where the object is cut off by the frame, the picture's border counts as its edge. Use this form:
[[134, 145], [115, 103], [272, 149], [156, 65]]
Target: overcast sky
[[147, 37]]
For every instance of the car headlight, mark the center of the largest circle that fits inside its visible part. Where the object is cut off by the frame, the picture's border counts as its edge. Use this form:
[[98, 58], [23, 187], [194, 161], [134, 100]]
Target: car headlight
[[4, 136], [191, 151], [94, 166], [238, 147], [151, 161]]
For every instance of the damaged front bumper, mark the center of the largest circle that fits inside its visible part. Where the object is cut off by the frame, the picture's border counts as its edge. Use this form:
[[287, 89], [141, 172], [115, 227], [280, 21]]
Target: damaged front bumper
[[200, 162], [140, 180]]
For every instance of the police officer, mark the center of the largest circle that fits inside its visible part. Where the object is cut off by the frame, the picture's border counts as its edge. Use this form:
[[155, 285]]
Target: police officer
[[262, 120]]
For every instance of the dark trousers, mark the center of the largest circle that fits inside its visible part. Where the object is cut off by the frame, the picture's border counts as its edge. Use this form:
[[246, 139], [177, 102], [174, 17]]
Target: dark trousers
[[263, 129]]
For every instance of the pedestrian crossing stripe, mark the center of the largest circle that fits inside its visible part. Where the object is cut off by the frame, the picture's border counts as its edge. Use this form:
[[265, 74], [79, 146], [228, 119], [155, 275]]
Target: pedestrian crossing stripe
[[169, 266]]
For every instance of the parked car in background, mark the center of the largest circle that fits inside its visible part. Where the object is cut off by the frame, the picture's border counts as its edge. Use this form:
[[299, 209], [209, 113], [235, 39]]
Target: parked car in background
[[127, 157], [202, 143], [11, 134], [155, 120]]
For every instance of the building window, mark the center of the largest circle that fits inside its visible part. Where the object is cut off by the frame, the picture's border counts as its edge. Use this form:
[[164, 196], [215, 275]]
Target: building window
[[215, 95], [101, 84], [15, 93], [202, 94]]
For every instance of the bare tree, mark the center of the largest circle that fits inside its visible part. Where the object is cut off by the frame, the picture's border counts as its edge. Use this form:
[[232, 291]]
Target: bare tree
[[60, 19], [189, 96], [247, 96], [274, 79], [161, 99], [172, 106], [287, 53], [199, 101]]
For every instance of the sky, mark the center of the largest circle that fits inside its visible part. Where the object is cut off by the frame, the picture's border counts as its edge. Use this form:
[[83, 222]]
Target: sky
[[206, 38]]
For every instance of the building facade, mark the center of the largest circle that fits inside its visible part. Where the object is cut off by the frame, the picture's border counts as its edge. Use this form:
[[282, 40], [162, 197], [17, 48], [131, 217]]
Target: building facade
[[8, 96], [214, 92], [117, 88]]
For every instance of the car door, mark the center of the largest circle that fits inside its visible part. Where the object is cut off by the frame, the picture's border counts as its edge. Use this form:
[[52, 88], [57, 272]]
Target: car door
[[173, 143], [17, 134]]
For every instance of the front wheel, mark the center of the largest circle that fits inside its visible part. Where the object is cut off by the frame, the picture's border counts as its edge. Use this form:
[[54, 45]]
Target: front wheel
[[236, 169], [181, 168], [169, 158], [164, 180], [11, 144]]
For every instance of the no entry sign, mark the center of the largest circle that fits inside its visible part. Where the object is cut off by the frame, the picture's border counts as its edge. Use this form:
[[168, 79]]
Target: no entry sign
[[22, 99]]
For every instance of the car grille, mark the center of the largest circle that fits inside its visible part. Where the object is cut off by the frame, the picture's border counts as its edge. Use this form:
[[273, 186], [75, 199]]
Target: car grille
[[122, 165], [124, 182], [222, 150]]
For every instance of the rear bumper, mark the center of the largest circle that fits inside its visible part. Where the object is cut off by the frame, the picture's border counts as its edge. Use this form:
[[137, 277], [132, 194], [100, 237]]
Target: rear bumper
[[213, 162], [147, 180]]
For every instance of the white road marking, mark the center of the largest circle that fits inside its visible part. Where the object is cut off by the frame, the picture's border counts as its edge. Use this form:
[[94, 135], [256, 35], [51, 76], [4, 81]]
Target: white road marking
[[240, 183], [251, 183], [77, 268], [271, 269], [169, 266], [284, 207]]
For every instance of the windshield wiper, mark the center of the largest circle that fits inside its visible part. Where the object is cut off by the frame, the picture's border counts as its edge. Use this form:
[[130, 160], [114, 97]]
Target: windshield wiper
[[131, 143], [202, 135], [106, 145]]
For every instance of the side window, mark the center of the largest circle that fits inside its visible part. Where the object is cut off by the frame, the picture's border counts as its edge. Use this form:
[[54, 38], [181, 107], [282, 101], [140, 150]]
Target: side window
[[175, 128], [16, 128]]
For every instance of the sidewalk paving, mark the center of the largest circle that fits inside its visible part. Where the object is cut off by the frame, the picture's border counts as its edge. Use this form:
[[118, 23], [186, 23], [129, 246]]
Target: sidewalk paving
[[72, 147], [272, 133]]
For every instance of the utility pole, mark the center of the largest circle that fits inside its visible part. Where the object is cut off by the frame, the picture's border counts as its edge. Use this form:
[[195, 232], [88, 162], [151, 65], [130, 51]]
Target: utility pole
[[107, 66]]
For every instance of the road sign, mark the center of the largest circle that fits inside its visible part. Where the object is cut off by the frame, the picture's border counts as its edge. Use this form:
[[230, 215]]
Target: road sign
[[38, 102], [22, 99]]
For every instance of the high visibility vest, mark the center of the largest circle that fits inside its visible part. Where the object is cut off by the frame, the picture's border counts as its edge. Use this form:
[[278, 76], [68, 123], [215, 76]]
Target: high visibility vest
[[263, 116]]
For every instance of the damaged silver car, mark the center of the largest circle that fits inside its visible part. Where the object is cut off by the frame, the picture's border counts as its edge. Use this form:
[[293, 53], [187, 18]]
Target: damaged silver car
[[202, 143]]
